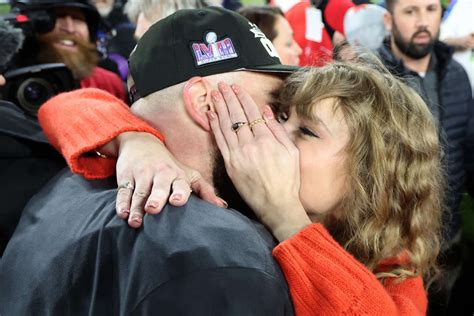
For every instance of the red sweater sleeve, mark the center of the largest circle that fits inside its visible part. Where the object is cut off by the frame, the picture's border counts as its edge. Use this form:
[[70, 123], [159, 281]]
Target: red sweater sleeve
[[324, 279], [82, 120]]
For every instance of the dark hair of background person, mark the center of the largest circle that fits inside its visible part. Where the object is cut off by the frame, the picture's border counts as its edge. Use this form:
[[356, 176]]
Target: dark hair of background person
[[264, 17]]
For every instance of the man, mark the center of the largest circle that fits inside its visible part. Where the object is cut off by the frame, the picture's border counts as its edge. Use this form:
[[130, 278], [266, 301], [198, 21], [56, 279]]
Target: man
[[413, 51], [71, 254], [71, 41], [27, 160]]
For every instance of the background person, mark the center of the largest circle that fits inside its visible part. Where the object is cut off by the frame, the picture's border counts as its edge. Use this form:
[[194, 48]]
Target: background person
[[413, 51], [273, 24], [457, 30], [71, 42]]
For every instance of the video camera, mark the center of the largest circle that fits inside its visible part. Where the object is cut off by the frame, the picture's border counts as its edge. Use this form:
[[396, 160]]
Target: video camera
[[29, 87]]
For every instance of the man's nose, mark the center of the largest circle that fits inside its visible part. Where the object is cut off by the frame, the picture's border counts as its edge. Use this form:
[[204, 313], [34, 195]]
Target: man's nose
[[67, 24], [422, 19]]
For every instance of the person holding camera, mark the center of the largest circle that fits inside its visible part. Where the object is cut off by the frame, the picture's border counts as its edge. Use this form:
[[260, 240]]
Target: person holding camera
[[65, 32], [27, 161]]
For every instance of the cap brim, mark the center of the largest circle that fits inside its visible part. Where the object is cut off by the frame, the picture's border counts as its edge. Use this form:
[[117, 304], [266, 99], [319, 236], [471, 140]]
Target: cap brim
[[277, 69]]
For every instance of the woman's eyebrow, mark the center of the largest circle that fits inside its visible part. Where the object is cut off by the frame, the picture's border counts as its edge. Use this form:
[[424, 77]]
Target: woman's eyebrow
[[316, 119]]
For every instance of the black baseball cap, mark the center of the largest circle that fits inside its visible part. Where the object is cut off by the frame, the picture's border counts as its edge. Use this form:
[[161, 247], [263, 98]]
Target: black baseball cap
[[91, 13], [199, 42]]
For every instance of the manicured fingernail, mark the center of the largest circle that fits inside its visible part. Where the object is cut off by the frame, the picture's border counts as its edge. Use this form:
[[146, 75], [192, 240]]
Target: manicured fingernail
[[153, 205], [137, 219], [215, 96], [177, 197], [223, 87], [211, 115], [223, 202], [268, 113], [124, 212], [235, 88]]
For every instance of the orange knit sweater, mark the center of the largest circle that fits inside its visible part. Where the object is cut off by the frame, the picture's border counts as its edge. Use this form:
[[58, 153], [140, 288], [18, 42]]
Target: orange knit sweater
[[323, 278]]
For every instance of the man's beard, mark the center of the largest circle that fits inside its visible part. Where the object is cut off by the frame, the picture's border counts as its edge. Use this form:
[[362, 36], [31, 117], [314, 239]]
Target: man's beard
[[81, 63], [226, 189], [410, 49]]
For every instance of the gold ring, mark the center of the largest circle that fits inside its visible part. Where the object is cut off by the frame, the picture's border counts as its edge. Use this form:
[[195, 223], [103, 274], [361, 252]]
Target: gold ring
[[127, 185], [253, 123], [236, 126]]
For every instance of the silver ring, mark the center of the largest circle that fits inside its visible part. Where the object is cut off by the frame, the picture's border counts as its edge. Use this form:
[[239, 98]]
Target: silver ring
[[127, 185]]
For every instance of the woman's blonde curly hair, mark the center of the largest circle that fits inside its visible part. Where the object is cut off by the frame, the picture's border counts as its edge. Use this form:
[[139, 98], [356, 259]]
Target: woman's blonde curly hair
[[395, 203]]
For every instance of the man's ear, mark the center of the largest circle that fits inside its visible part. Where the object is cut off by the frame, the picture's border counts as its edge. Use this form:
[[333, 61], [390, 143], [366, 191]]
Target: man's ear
[[387, 21], [197, 100]]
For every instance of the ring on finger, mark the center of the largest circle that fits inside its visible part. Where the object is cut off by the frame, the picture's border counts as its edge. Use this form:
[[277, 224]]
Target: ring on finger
[[238, 125], [257, 121], [127, 185]]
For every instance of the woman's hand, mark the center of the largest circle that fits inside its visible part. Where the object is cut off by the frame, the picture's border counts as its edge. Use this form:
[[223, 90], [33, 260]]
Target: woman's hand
[[261, 160], [149, 176]]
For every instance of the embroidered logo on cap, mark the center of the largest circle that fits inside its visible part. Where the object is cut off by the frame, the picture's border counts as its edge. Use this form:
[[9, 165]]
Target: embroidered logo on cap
[[214, 50]]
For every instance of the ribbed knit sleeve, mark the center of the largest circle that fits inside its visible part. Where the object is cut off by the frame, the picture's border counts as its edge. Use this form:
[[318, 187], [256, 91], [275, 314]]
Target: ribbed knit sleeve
[[82, 120], [324, 279]]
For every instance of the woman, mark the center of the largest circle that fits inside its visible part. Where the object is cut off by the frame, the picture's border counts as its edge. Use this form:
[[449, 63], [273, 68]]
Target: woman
[[276, 28], [362, 231]]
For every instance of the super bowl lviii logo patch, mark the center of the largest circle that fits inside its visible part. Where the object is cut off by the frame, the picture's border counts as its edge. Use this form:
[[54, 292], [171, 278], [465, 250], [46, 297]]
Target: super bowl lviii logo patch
[[213, 50]]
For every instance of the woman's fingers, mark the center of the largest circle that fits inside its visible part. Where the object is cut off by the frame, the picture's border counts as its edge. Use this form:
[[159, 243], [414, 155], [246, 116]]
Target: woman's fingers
[[124, 198], [206, 191], [139, 198], [160, 191], [236, 114], [222, 140], [223, 130], [252, 112], [277, 129], [181, 192]]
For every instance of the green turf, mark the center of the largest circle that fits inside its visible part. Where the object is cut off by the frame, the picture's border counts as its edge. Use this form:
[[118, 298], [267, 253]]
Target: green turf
[[253, 2]]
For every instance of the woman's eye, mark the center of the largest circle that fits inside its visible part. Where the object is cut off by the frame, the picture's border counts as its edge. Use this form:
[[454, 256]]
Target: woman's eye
[[307, 132]]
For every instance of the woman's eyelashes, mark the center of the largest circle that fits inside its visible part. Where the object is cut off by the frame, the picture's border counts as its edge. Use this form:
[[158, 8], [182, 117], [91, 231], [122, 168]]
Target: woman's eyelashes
[[307, 132]]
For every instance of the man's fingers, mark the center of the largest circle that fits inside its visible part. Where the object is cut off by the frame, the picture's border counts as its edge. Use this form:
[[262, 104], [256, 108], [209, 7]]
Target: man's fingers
[[124, 198]]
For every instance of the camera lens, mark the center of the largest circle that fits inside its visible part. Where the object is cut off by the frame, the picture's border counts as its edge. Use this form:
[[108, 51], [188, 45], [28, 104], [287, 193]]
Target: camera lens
[[32, 93]]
